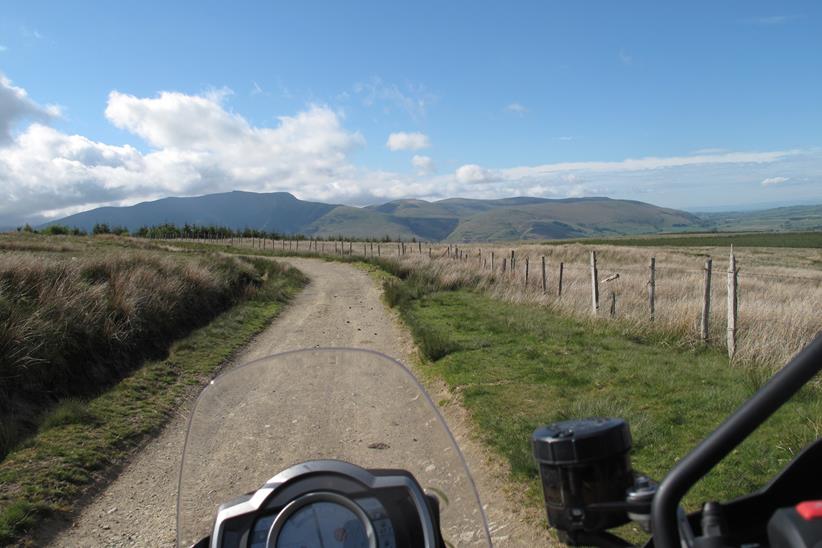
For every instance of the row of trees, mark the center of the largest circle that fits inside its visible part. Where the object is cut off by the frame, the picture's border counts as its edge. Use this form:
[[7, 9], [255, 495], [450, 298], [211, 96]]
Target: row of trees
[[194, 231]]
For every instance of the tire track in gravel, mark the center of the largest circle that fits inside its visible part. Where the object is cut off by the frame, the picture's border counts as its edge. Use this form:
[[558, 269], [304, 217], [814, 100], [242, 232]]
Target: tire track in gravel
[[340, 307]]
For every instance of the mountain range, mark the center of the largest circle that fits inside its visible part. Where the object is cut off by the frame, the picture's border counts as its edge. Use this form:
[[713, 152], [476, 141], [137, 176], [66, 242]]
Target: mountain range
[[453, 219]]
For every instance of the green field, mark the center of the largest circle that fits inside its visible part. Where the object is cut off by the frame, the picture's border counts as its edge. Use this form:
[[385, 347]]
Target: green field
[[516, 367], [740, 239]]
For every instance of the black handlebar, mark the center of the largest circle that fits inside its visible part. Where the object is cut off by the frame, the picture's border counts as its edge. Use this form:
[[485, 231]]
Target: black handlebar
[[724, 439]]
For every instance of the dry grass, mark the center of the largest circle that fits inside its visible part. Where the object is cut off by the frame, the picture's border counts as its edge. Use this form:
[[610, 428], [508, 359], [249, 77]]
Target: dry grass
[[780, 290], [71, 324]]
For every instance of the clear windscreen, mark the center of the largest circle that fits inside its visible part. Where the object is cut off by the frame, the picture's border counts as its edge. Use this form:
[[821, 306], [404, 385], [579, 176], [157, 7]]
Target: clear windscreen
[[351, 405]]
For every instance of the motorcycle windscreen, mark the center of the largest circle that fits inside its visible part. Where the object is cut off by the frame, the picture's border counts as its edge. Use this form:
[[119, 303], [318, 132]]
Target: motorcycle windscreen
[[352, 405]]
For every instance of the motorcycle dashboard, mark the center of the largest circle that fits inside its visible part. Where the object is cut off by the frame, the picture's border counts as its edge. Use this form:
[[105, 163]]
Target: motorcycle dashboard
[[319, 504]]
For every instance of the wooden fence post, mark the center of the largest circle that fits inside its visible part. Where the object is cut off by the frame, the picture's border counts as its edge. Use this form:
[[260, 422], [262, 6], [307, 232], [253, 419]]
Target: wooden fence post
[[503, 265], [652, 287], [732, 304], [594, 284], [350, 247], [544, 277], [419, 247], [613, 304], [706, 301], [513, 263], [492, 261], [559, 286], [526, 272]]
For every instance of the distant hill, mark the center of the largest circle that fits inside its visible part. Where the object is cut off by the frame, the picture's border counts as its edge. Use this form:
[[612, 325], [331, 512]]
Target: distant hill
[[454, 219], [794, 218]]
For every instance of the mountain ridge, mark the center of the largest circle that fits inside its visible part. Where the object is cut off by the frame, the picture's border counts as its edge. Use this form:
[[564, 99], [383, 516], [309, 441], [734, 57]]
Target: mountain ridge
[[450, 219]]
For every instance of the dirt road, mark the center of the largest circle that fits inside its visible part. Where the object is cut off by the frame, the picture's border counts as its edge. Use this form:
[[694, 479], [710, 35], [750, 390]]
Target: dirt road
[[341, 307]]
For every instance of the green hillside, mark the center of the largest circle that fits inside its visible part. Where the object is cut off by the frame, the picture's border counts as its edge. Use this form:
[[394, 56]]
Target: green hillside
[[453, 219]]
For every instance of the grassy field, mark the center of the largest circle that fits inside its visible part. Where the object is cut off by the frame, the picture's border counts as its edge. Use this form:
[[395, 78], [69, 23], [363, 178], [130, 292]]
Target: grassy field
[[517, 366], [80, 434], [739, 239]]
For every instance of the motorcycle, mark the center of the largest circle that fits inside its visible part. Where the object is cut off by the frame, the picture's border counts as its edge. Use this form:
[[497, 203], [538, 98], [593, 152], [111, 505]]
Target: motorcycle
[[368, 461]]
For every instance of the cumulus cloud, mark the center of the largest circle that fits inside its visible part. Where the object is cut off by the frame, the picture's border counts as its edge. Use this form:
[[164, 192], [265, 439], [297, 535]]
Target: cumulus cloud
[[473, 174], [423, 164], [197, 145], [773, 181], [407, 141], [15, 106]]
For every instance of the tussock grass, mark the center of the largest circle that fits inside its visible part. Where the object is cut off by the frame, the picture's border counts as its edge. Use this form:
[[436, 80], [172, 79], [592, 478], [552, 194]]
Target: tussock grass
[[71, 325], [80, 441]]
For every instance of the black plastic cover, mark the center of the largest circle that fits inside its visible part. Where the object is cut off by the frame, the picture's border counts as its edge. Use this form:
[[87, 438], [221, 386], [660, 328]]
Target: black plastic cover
[[581, 440]]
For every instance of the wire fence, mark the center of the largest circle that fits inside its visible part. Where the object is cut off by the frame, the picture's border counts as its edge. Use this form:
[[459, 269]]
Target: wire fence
[[761, 314]]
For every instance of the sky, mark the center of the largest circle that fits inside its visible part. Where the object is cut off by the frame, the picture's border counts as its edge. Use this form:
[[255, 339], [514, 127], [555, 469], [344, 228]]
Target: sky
[[691, 105]]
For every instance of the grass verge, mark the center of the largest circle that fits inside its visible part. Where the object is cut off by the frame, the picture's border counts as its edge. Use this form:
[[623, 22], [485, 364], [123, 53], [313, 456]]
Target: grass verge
[[79, 441], [518, 366]]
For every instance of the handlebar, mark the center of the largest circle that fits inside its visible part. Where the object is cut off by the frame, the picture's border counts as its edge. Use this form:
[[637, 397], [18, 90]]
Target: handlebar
[[724, 439]]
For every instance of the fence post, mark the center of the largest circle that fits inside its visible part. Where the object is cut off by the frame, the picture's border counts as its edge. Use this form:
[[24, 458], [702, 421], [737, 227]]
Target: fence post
[[513, 263], [526, 272], [559, 283], [419, 247], [594, 284], [706, 301], [350, 247], [732, 304], [613, 304], [652, 287], [503, 265], [544, 277], [492, 261]]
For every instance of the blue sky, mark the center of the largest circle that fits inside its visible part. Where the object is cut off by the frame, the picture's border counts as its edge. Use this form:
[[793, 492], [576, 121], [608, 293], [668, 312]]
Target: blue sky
[[685, 104]]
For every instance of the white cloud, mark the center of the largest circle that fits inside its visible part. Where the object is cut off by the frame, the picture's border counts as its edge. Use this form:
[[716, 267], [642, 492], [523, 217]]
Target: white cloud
[[625, 58], [407, 141], [15, 106], [566, 138], [197, 145], [30, 33], [774, 181], [413, 99], [516, 108], [473, 174], [424, 164]]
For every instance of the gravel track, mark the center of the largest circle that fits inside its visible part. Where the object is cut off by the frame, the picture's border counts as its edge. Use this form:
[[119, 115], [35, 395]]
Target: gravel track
[[341, 307]]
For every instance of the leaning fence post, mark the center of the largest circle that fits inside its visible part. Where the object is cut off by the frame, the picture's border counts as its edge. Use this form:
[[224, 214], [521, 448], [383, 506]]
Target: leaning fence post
[[652, 287], [594, 284], [732, 304], [544, 277], [706, 301]]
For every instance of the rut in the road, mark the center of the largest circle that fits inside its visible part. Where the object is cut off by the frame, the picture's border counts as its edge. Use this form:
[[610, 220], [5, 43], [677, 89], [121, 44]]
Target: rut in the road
[[341, 307]]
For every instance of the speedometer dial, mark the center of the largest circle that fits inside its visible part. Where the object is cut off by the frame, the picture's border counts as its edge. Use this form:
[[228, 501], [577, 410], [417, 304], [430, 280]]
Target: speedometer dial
[[322, 519]]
